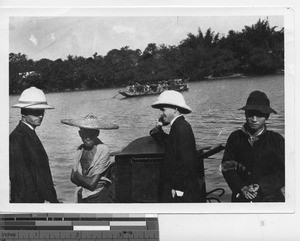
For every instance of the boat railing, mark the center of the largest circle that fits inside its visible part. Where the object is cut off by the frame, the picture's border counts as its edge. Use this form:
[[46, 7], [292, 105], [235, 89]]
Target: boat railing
[[205, 153]]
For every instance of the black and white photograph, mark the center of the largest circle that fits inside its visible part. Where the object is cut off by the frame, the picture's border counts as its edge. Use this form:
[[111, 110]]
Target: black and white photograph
[[176, 107], [183, 113]]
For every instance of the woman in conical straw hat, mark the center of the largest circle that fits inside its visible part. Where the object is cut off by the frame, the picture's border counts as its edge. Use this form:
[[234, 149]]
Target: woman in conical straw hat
[[92, 165]]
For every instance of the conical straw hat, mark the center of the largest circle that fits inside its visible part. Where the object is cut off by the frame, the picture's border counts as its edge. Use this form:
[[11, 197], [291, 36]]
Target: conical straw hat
[[90, 122]]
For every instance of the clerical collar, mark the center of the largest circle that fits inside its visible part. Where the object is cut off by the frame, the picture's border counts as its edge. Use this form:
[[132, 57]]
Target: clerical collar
[[172, 121], [28, 125]]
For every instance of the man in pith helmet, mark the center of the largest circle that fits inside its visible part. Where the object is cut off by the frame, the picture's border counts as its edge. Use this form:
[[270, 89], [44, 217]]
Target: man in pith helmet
[[29, 171], [179, 177], [253, 162]]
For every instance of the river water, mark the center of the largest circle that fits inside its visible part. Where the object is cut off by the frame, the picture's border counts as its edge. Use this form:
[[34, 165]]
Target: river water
[[215, 115]]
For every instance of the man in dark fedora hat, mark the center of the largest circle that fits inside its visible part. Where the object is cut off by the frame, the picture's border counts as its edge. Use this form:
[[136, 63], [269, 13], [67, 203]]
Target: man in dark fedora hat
[[253, 162]]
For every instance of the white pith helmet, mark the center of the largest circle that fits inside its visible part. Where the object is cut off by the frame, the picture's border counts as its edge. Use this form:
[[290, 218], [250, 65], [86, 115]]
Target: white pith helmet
[[33, 98], [172, 98]]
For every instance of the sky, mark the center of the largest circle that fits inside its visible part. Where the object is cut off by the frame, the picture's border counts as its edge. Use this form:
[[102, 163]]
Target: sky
[[58, 37]]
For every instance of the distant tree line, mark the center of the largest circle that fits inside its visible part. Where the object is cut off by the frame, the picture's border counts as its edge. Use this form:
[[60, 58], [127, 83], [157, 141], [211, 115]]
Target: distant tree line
[[256, 50]]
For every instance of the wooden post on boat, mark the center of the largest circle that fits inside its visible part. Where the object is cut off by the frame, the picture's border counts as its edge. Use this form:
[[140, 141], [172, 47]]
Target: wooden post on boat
[[137, 171]]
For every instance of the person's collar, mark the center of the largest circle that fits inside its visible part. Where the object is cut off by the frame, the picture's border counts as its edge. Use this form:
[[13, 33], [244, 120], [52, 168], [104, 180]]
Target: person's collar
[[245, 129], [28, 125], [254, 137], [172, 121]]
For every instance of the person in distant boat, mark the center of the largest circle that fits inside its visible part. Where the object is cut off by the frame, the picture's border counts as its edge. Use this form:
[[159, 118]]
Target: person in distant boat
[[29, 172], [172, 85], [253, 163], [159, 87], [179, 180], [92, 168], [147, 88]]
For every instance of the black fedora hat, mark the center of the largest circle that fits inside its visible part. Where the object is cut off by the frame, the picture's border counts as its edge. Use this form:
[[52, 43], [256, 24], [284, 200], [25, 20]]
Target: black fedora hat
[[259, 101]]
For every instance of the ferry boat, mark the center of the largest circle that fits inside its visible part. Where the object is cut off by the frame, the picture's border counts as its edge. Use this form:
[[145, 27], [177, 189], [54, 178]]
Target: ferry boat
[[137, 89]]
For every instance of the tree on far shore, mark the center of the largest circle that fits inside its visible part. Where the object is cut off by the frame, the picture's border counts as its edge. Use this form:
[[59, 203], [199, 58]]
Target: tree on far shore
[[257, 49]]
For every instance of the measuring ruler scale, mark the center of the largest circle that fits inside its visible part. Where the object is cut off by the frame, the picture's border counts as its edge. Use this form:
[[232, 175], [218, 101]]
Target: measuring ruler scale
[[87, 227]]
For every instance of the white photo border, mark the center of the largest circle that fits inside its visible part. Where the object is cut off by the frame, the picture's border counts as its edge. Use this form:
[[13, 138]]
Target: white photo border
[[204, 208]]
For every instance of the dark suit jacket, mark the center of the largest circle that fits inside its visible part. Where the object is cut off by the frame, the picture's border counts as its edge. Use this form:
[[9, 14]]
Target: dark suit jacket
[[29, 171], [180, 162]]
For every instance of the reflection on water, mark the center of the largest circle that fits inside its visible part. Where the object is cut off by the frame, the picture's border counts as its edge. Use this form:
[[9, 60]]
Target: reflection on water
[[215, 115]]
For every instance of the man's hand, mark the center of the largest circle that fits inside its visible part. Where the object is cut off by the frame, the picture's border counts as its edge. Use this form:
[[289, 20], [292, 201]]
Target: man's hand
[[251, 191], [177, 193], [102, 183], [232, 166], [161, 121], [74, 173]]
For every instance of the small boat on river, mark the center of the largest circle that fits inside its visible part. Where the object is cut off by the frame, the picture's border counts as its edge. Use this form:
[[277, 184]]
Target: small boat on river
[[154, 89], [137, 171]]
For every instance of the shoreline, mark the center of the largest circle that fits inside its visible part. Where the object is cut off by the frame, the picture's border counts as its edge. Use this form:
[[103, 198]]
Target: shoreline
[[208, 78]]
